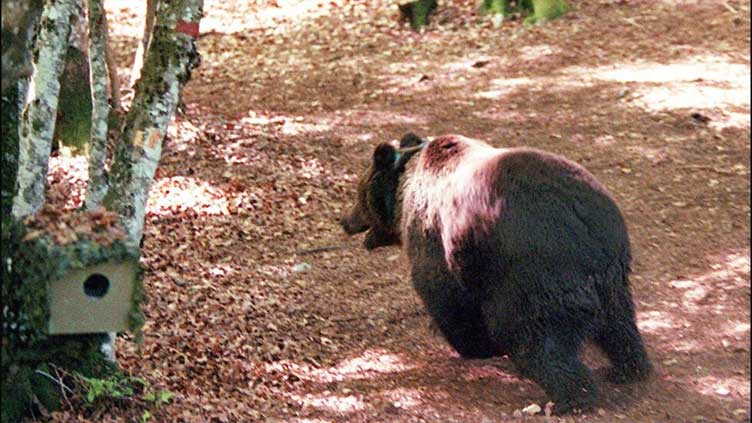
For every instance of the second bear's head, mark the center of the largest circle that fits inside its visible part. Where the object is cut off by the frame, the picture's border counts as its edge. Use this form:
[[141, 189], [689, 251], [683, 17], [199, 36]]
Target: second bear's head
[[376, 206]]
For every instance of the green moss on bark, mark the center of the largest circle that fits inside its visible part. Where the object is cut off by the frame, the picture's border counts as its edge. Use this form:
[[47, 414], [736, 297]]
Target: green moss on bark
[[533, 10], [546, 10], [9, 134], [30, 260]]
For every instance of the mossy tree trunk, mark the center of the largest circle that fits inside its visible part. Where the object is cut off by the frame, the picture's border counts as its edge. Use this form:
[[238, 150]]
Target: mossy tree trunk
[[18, 20], [38, 117], [97, 186], [545, 10], [18, 17], [499, 7], [532, 10], [171, 57], [416, 12]]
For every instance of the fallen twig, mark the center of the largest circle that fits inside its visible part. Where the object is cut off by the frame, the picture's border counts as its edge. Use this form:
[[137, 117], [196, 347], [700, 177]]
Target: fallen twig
[[730, 8], [319, 250], [58, 381]]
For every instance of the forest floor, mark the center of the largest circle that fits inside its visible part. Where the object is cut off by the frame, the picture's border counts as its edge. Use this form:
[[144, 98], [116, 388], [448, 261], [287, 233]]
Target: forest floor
[[260, 309]]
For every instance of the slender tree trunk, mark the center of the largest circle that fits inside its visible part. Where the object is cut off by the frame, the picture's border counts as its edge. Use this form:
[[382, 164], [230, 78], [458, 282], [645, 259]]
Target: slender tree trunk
[[100, 110], [109, 57], [143, 45], [171, 57], [18, 20], [38, 117], [18, 17]]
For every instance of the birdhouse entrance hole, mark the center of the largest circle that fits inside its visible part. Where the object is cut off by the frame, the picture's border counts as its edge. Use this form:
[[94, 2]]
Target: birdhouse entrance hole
[[96, 285]]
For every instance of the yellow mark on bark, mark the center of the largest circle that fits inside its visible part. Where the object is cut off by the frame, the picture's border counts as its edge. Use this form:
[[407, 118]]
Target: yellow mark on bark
[[154, 138], [138, 139]]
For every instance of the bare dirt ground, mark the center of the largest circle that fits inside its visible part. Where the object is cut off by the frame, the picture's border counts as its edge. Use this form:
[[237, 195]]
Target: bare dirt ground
[[261, 310]]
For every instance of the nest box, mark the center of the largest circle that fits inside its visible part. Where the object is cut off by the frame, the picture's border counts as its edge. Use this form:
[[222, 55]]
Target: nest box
[[71, 273], [92, 299]]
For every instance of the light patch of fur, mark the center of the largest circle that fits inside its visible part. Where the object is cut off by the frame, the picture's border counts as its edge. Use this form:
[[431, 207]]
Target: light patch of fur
[[453, 199]]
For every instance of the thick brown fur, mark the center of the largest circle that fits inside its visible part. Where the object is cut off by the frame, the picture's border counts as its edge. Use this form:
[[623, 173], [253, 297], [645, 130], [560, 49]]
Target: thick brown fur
[[513, 251]]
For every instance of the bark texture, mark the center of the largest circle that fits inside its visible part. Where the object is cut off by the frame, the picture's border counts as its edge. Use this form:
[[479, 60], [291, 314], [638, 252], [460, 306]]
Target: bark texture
[[171, 57], [18, 16], [97, 186], [38, 117]]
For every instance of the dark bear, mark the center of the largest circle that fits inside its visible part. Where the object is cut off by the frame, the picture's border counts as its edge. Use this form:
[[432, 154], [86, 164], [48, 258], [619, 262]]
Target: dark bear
[[513, 251]]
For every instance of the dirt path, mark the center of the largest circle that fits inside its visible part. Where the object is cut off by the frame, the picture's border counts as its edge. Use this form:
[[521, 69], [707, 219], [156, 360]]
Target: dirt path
[[247, 320]]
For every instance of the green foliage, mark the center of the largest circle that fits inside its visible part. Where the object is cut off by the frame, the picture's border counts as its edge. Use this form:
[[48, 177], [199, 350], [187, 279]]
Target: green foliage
[[98, 389], [27, 377], [100, 392], [158, 397]]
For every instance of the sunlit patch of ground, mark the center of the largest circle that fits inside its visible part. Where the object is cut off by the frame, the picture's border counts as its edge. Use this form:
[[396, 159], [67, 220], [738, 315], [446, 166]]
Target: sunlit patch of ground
[[341, 404], [179, 194], [259, 15], [717, 292], [133, 11], [717, 87], [723, 388], [287, 125], [654, 321], [371, 363], [701, 83], [407, 398]]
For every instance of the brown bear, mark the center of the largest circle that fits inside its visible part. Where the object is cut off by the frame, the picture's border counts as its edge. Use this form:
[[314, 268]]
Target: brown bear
[[513, 251]]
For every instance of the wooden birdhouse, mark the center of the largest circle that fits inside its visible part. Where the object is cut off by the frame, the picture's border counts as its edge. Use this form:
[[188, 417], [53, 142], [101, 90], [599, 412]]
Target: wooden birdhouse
[[72, 273], [95, 298]]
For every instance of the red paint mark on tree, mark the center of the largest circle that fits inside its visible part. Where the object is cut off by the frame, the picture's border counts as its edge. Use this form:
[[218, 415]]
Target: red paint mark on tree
[[188, 28]]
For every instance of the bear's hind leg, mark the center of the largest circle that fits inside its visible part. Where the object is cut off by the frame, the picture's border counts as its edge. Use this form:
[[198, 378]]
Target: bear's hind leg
[[552, 362], [463, 327], [621, 341], [457, 314]]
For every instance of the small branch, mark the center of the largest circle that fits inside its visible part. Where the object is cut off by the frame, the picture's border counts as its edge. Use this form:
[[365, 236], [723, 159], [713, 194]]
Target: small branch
[[100, 108], [109, 58], [729, 8], [143, 45], [38, 118], [58, 381]]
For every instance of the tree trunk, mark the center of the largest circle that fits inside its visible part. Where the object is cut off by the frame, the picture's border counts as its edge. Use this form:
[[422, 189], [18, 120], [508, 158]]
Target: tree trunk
[[97, 186], [143, 45], [109, 57], [171, 57], [416, 12], [38, 117], [18, 20], [545, 10], [18, 17], [500, 7]]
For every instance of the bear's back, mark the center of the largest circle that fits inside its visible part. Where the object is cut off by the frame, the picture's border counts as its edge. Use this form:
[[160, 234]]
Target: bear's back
[[490, 207]]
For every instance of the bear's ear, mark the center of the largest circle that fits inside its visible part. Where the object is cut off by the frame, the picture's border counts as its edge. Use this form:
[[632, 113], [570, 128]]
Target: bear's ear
[[384, 156], [410, 140]]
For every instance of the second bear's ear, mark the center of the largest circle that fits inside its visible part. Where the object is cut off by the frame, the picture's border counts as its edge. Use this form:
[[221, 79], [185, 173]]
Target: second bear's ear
[[410, 140], [384, 156]]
